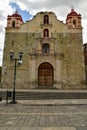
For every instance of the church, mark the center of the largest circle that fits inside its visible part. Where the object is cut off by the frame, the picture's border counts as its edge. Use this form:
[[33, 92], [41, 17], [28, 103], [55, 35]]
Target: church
[[53, 56]]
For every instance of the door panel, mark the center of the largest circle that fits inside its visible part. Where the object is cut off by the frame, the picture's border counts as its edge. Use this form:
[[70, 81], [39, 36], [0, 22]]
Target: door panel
[[45, 75]]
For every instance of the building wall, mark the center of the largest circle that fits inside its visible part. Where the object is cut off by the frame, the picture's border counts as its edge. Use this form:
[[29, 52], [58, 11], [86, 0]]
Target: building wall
[[66, 54], [85, 57]]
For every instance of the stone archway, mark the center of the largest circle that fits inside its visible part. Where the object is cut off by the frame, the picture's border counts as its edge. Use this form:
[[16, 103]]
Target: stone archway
[[45, 74]]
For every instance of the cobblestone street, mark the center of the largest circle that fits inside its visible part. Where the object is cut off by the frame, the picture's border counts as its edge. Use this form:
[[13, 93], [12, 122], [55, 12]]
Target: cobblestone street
[[22, 116]]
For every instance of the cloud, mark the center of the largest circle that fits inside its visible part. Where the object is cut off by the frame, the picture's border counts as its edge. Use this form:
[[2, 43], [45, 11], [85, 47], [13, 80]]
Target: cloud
[[5, 9], [60, 7]]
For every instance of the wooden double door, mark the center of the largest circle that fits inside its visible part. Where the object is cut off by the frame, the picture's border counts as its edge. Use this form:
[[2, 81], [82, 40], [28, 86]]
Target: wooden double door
[[45, 74]]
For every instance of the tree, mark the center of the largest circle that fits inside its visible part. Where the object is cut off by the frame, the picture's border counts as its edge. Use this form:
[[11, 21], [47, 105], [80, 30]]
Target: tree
[[0, 72]]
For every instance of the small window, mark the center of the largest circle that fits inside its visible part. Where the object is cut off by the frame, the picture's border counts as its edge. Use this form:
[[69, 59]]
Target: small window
[[13, 24], [86, 48], [46, 33], [45, 48], [74, 23], [46, 19], [12, 42]]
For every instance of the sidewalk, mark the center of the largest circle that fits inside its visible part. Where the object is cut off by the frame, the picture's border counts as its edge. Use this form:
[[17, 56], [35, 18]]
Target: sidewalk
[[43, 128], [46, 90], [43, 115], [51, 102]]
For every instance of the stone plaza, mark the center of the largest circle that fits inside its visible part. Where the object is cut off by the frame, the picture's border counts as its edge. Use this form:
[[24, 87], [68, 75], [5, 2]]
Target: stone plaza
[[44, 115]]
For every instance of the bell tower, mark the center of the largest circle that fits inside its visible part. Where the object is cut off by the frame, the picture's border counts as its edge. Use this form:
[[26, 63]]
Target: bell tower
[[73, 19], [14, 21]]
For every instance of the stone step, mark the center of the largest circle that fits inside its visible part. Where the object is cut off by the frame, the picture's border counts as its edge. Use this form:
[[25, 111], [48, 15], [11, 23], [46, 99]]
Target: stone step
[[37, 95]]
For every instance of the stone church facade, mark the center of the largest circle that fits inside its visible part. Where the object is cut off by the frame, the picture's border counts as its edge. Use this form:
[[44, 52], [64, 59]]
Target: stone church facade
[[52, 52]]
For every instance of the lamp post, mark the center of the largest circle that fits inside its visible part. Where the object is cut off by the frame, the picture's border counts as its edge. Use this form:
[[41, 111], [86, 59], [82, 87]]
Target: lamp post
[[11, 54]]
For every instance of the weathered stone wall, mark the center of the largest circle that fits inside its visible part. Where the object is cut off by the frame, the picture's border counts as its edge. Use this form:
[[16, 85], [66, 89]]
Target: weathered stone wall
[[73, 61], [66, 54]]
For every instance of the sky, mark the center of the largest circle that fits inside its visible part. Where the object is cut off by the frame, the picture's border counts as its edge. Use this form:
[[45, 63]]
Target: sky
[[28, 8]]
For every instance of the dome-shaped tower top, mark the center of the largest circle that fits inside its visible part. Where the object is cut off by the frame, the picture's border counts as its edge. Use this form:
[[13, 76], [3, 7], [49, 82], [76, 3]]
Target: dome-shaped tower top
[[73, 19], [73, 13], [14, 20]]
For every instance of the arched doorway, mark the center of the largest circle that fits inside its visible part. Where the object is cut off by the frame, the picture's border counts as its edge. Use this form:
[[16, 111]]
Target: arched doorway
[[45, 74]]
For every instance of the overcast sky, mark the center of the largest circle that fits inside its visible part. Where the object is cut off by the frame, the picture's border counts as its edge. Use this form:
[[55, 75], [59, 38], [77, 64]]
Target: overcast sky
[[28, 8]]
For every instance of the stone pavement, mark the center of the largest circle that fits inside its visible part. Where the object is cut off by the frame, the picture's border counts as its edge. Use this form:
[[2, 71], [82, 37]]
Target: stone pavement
[[44, 115]]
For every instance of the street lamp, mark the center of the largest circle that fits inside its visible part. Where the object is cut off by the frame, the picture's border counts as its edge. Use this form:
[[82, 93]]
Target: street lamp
[[19, 59]]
